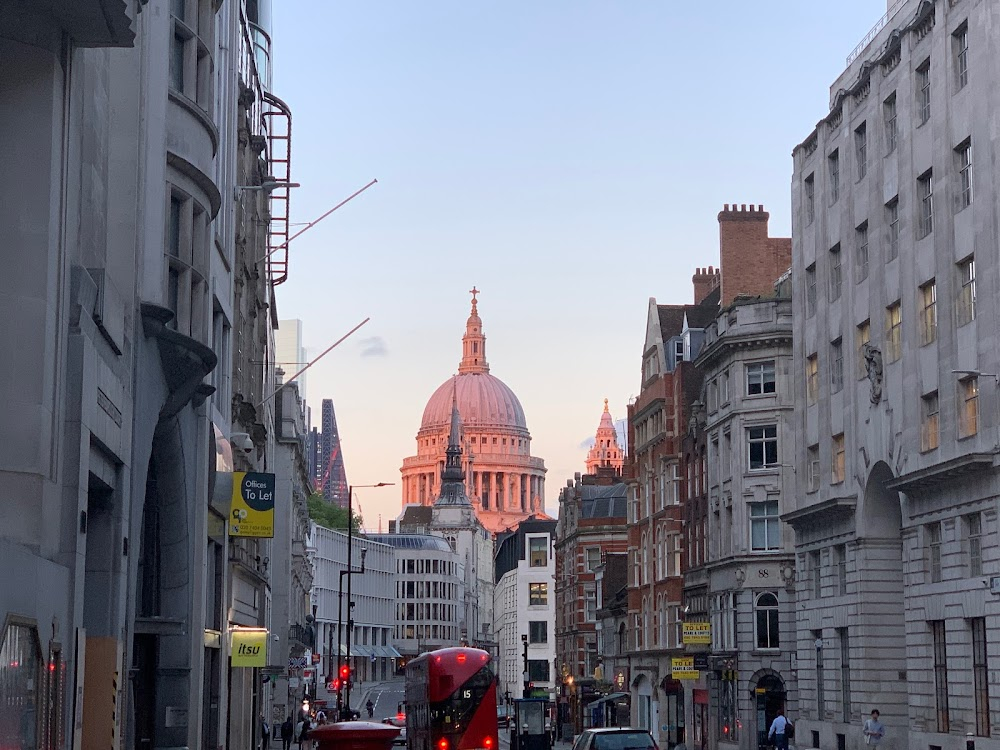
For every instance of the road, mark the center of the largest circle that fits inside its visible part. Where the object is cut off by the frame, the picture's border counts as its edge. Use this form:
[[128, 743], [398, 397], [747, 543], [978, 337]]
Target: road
[[388, 698]]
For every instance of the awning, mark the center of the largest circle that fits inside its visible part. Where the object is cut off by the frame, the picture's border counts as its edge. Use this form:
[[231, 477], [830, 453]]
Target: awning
[[607, 699], [361, 650]]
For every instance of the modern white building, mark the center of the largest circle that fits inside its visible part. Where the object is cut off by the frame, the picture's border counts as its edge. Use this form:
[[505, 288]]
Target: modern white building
[[429, 585], [373, 593], [896, 273], [525, 624], [453, 518]]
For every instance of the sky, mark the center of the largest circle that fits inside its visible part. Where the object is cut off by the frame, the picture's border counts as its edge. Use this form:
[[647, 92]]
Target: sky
[[566, 157]]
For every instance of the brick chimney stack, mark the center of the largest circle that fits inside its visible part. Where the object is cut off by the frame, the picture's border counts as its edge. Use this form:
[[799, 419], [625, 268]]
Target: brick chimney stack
[[751, 261], [705, 281]]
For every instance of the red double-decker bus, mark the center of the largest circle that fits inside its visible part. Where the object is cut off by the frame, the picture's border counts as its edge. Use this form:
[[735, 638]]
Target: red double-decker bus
[[451, 701]]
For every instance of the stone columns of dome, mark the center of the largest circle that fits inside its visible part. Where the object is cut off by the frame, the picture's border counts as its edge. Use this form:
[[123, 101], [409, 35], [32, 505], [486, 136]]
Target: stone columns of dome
[[501, 504], [521, 504]]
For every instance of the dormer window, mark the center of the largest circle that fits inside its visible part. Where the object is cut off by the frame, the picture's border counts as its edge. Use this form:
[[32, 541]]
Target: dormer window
[[679, 351]]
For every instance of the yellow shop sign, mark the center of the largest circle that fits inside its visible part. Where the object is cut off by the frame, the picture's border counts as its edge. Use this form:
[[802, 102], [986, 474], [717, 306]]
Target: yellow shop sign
[[249, 648], [697, 632]]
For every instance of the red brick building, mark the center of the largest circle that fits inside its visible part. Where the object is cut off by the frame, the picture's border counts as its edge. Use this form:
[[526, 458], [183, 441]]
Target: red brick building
[[591, 525]]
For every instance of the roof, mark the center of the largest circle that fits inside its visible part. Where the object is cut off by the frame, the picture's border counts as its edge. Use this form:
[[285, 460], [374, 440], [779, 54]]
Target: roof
[[413, 541], [703, 314], [416, 515], [599, 501], [671, 320]]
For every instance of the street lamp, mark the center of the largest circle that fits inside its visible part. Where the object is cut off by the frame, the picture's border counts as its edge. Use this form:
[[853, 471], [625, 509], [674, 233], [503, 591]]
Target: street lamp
[[345, 707]]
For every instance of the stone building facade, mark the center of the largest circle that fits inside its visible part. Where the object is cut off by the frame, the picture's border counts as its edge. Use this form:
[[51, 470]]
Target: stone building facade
[[740, 563], [130, 125], [895, 268]]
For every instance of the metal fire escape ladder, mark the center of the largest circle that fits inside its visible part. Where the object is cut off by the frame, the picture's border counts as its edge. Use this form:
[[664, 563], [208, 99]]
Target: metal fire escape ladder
[[278, 117]]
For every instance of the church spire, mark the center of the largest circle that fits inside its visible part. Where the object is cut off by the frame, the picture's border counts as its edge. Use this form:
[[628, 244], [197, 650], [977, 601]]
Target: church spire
[[474, 342], [453, 475], [606, 452]]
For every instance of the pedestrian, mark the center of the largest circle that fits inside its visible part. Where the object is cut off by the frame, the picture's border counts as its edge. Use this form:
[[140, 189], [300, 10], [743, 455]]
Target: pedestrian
[[778, 729], [874, 729], [371, 708], [304, 742], [265, 733], [287, 733]]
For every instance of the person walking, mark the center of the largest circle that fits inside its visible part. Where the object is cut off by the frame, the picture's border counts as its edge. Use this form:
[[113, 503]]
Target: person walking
[[287, 734], [371, 708], [304, 742], [874, 730], [778, 731]]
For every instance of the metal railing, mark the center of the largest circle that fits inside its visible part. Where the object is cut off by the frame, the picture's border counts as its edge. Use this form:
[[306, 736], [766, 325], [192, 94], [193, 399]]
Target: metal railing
[[863, 44]]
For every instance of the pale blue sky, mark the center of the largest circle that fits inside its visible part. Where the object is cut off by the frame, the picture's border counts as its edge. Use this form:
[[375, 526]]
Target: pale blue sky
[[567, 158]]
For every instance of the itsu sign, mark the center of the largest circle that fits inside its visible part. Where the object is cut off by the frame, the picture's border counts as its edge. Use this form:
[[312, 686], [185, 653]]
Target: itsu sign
[[249, 648]]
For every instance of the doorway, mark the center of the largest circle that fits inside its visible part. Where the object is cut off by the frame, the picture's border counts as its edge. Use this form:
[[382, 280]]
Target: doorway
[[769, 697]]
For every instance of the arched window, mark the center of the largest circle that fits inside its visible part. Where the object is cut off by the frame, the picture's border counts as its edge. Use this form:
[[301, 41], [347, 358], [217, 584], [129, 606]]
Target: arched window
[[766, 620]]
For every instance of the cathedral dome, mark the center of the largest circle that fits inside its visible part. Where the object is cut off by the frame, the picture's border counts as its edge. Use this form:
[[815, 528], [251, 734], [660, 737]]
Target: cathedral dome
[[483, 401]]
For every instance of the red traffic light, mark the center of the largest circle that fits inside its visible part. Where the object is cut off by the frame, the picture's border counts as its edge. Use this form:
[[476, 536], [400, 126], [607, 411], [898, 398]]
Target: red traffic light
[[345, 672], [333, 686]]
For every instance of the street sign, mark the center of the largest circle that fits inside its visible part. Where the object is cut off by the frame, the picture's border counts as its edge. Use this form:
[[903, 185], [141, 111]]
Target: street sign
[[297, 662], [683, 668]]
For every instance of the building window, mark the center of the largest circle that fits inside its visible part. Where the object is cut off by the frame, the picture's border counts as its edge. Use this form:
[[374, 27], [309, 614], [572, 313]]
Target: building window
[[980, 680], [840, 552], [836, 279], [966, 299], [928, 313], [839, 469], [724, 388], [820, 675], [816, 568], [593, 558], [833, 161], [892, 221], [864, 336], [538, 670], [763, 446], [760, 378], [766, 620], [929, 422], [963, 158], [810, 193], [538, 552], [861, 149], [893, 331], [812, 459], [940, 675], [974, 537], [836, 365], [933, 532], [811, 290], [889, 121], [968, 402], [190, 63], [812, 378], [679, 351], [925, 189], [538, 593], [764, 531], [590, 604], [924, 92], [845, 674], [960, 47], [861, 252]]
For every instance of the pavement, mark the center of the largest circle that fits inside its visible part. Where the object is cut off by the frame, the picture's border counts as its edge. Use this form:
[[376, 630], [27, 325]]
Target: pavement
[[388, 698]]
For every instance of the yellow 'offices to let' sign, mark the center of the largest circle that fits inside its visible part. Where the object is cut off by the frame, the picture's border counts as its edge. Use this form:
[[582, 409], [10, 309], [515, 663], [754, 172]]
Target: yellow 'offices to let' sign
[[251, 512]]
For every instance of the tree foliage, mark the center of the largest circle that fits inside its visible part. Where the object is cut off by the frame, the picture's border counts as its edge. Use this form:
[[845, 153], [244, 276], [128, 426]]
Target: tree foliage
[[329, 515]]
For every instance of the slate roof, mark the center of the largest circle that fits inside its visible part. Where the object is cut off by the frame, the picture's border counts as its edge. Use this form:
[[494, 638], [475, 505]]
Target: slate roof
[[603, 501]]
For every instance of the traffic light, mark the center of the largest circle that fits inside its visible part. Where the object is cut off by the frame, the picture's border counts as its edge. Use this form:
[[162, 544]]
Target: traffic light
[[345, 673], [334, 686]]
